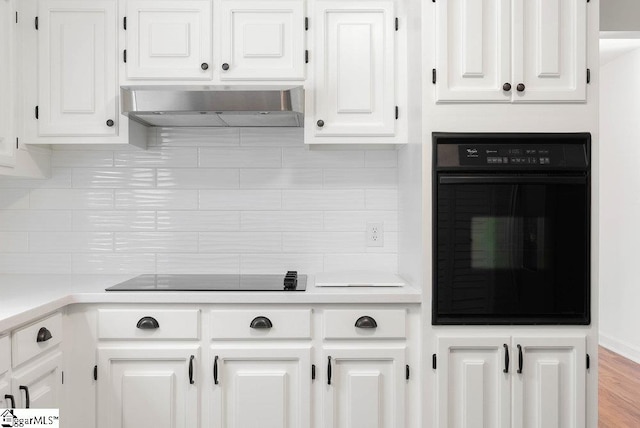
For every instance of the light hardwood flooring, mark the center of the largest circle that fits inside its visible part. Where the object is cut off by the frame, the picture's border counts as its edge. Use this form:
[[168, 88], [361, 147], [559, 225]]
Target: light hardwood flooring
[[619, 391]]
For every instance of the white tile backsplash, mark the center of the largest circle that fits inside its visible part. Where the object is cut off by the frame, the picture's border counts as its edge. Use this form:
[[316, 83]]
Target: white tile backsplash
[[203, 201]]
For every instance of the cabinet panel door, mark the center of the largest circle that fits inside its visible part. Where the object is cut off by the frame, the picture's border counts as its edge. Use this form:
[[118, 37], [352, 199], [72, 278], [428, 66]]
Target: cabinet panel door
[[265, 388], [77, 91], [550, 59], [7, 83], [262, 41], [473, 389], [5, 389], [43, 380], [169, 39], [147, 388], [367, 388], [550, 391], [355, 68], [473, 50]]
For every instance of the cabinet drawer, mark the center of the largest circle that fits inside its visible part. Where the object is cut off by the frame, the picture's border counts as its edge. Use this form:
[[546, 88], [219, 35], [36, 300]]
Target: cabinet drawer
[[31, 341], [5, 355], [148, 324], [374, 324], [284, 324]]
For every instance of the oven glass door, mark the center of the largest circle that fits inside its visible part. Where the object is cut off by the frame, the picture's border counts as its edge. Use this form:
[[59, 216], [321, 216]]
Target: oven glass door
[[511, 250]]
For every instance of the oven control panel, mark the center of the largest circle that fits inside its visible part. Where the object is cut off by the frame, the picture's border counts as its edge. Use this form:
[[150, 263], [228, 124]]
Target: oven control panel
[[476, 155]]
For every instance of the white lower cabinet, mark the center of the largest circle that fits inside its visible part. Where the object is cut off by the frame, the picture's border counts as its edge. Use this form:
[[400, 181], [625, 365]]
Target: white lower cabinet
[[37, 385], [261, 388], [503, 381], [364, 387], [149, 387]]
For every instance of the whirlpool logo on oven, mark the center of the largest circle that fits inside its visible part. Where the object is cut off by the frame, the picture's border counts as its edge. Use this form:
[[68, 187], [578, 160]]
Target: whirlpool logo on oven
[[29, 418], [472, 153]]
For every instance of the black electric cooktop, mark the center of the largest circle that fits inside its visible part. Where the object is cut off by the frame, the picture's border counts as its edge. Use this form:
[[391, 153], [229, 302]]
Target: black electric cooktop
[[289, 282]]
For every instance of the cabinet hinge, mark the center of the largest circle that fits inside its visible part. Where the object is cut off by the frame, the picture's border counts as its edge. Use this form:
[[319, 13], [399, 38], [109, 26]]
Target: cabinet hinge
[[17, 143], [434, 362], [95, 372], [36, 22], [407, 372], [313, 372], [37, 112], [124, 55], [306, 24], [306, 56], [433, 76], [588, 362], [124, 22], [397, 24], [397, 112], [62, 376], [588, 75], [16, 17]]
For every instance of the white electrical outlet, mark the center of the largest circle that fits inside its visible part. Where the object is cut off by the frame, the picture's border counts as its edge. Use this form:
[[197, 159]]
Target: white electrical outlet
[[375, 234]]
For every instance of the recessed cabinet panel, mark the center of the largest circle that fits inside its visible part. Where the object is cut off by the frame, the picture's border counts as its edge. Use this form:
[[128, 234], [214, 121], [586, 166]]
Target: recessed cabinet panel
[[148, 387], [473, 390], [43, 380], [355, 69], [262, 40], [266, 388], [7, 83], [473, 50], [552, 62], [168, 40], [550, 391], [367, 388], [77, 69]]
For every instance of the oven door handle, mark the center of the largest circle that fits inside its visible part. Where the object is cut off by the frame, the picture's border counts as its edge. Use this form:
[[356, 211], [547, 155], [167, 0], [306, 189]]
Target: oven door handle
[[501, 179]]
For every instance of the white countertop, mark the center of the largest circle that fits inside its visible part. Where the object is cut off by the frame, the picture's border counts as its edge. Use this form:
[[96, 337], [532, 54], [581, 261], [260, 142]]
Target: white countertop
[[25, 297]]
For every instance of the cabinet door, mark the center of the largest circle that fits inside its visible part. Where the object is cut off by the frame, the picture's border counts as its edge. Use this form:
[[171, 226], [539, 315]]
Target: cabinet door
[[473, 50], [550, 391], [366, 388], [169, 39], [7, 83], [550, 48], [42, 381], [355, 68], [148, 388], [261, 388], [473, 389], [5, 390], [77, 80], [262, 41]]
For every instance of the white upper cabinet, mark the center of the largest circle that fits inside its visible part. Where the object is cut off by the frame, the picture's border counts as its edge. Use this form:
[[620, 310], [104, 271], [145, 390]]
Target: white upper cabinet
[[261, 40], [355, 69], [7, 83], [77, 80], [511, 50], [168, 39]]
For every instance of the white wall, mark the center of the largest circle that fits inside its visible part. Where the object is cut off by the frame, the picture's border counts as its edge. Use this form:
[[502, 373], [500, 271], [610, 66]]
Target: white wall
[[620, 205], [620, 15], [203, 201]]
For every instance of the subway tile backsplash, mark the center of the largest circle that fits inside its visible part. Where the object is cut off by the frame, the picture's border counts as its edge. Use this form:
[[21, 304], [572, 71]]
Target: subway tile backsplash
[[203, 201]]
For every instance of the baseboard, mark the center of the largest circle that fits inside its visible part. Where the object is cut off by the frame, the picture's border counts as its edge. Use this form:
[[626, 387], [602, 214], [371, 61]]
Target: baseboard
[[620, 347]]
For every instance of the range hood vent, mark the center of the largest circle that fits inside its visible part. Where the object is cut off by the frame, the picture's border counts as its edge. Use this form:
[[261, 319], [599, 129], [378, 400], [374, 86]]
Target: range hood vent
[[214, 106]]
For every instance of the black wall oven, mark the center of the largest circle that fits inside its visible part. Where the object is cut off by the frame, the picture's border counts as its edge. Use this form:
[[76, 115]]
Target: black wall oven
[[511, 238]]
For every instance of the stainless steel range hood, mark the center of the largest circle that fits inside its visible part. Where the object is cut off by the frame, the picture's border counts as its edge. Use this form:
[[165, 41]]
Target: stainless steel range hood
[[214, 106]]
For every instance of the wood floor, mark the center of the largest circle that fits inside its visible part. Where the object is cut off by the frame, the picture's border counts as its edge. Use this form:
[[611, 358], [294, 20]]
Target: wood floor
[[619, 391]]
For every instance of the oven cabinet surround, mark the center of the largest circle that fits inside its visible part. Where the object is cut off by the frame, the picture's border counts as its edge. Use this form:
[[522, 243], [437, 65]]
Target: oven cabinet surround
[[511, 50], [478, 381], [261, 365], [359, 66]]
